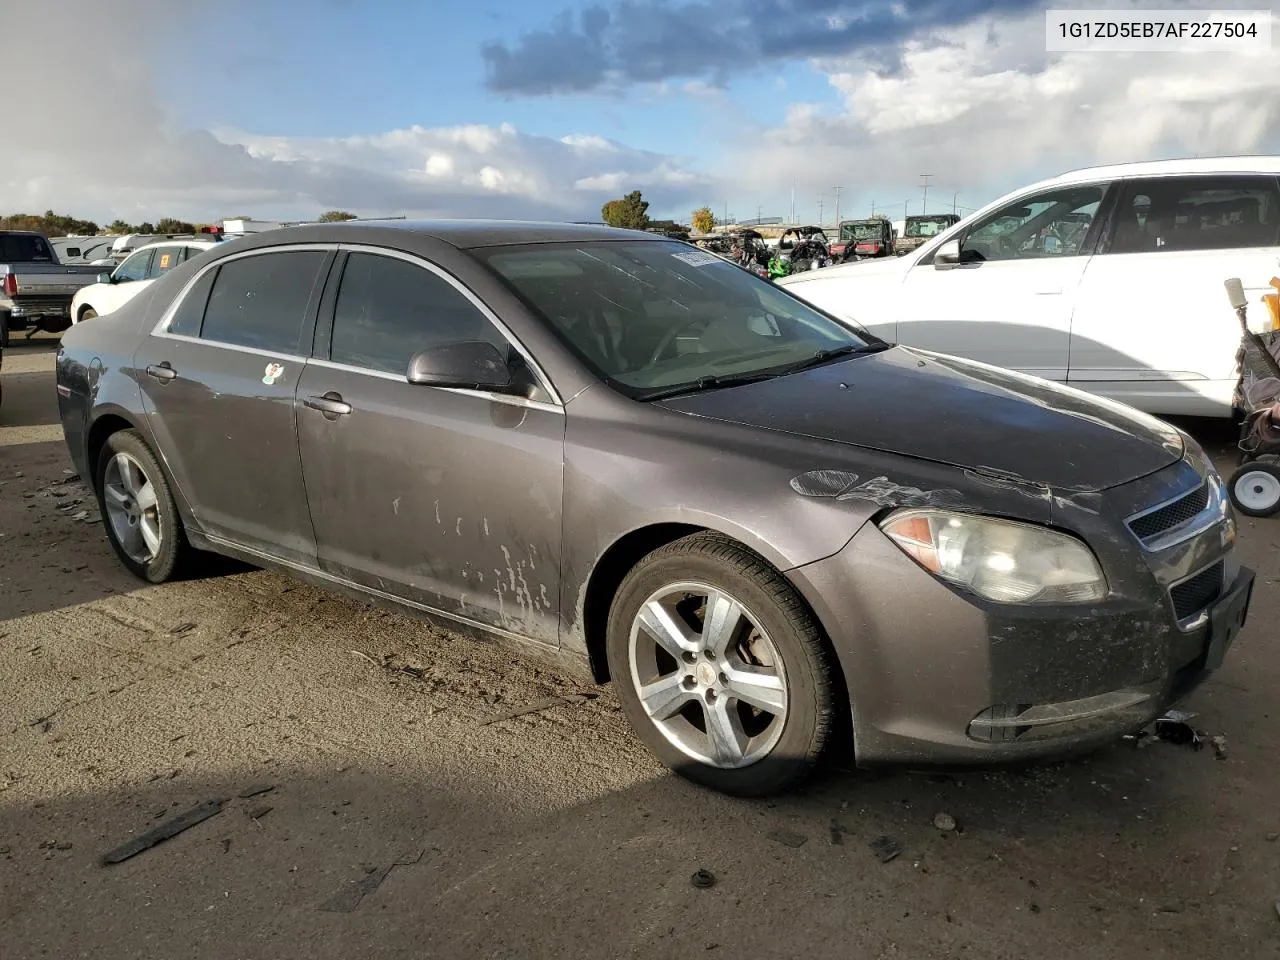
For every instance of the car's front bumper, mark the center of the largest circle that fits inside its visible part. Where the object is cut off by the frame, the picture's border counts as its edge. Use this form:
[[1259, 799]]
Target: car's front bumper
[[936, 675]]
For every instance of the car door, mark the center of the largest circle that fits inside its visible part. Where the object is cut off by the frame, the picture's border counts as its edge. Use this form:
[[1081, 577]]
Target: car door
[[218, 376], [1009, 300], [125, 281], [1153, 326], [447, 498]]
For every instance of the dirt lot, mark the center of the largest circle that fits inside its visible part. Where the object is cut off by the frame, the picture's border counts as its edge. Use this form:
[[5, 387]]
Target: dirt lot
[[550, 834]]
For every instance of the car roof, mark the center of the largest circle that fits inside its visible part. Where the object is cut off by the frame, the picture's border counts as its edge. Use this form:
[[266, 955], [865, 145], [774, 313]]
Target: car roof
[[1163, 168], [187, 242], [469, 234]]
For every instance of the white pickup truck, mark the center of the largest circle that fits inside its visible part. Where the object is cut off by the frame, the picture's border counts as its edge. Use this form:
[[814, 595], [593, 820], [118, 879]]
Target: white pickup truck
[[35, 289]]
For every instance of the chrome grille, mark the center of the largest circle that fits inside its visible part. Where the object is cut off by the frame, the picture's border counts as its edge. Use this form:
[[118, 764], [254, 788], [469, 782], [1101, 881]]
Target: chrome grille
[[1151, 525], [1197, 592]]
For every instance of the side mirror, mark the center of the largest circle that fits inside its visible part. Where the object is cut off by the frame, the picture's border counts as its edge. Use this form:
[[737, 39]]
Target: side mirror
[[1235, 293], [104, 278], [948, 254], [470, 364]]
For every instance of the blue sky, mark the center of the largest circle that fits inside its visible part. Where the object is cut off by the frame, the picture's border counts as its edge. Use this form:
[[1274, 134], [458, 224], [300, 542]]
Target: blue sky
[[284, 108]]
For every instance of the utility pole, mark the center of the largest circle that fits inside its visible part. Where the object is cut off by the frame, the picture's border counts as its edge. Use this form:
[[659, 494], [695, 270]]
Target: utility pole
[[819, 210], [793, 201], [954, 208], [837, 208], [726, 212], [924, 205], [906, 209]]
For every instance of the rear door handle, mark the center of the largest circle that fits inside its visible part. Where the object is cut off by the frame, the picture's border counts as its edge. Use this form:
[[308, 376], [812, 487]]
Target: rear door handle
[[162, 372], [331, 405]]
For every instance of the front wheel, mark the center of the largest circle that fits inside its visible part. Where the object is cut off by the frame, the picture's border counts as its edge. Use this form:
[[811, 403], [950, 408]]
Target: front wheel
[[1255, 489], [88, 313], [138, 510], [720, 667]]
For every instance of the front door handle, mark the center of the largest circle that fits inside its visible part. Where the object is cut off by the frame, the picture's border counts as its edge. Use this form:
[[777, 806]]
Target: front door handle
[[331, 405], [162, 372]]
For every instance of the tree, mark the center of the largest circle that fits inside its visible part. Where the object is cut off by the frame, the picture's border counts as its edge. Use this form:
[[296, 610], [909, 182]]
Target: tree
[[145, 228], [170, 225], [336, 216], [704, 221], [119, 226], [631, 212]]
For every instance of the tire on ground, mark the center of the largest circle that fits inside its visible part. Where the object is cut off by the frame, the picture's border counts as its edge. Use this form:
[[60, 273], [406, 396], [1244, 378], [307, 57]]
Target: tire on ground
[[773, 602], [174, 553]]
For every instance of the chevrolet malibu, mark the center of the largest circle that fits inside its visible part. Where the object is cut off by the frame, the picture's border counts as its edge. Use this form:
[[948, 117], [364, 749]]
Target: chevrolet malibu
[[771, 530]]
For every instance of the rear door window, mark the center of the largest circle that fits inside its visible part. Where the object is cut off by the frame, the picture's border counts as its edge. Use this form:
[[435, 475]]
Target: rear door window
[[189, 316], [388, 310], [261, 301], [1197, 213], [163, 260]]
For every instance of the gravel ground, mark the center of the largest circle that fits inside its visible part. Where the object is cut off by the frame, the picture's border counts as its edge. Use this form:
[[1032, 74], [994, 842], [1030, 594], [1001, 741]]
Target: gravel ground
[[548, 834]]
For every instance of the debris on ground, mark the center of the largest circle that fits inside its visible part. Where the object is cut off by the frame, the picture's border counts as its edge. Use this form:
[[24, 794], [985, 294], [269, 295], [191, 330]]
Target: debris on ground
[[886, 848], [1219, 744], [788, 838], [257, 813], [364, 656], [346, 900], [1273, 837], [256, 790], [1174, 728], [702, 879], [185, 627], [170, 828], [538, 705], [836, 833], [944, 822]]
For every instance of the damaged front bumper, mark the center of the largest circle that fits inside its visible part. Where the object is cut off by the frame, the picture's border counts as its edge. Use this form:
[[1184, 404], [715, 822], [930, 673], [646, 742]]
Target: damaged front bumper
[[936, 675]]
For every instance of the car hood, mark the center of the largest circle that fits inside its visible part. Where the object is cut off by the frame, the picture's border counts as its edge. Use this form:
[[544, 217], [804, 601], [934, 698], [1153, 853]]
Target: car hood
[[947, 410], [881, 267]]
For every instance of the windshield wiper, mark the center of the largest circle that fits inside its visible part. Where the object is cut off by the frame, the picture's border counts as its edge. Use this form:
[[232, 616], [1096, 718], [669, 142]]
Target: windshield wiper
[[705, 383], [823, 357]]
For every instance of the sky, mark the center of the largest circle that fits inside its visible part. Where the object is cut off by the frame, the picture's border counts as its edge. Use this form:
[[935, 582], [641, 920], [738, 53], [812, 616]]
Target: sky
[[497, 108]]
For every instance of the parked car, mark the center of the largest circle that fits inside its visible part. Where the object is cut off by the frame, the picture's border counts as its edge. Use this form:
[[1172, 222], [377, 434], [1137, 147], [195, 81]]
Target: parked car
[[767, 527], [863, 240], [922, 228], [35, 288], [1109, 279], [146, 264]]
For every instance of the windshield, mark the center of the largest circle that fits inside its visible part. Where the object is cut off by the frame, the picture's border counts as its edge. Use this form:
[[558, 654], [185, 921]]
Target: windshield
[[867, 231], [648, 316], [928, 227]]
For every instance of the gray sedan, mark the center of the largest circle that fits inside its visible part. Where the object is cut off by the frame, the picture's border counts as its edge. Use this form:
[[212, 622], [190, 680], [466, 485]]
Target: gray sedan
[[770, 530]]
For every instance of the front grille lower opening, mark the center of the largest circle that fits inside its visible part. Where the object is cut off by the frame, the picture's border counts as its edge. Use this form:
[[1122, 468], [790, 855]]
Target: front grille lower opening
[[1195, 593]]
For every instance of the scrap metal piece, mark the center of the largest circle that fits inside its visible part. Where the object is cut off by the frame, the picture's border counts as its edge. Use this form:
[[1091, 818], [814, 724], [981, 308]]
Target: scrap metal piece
[[170, 828]]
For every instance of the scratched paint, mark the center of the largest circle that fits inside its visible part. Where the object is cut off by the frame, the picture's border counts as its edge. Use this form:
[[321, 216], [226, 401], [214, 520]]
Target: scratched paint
[[842, 485]]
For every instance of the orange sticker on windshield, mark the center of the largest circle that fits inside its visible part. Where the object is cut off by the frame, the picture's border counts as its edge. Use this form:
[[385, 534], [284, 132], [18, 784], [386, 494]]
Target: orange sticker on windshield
[[164, 260]]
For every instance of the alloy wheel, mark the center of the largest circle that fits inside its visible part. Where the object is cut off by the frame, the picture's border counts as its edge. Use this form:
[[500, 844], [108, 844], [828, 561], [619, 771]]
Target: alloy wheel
[[132, 508], [707, 675]]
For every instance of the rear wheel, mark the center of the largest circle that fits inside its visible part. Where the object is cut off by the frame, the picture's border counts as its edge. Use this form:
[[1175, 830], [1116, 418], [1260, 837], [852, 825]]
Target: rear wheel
[[138, 511], [1255, 489], [720, 667]]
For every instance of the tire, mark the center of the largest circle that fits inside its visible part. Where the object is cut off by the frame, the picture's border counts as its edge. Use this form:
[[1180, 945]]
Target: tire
[[154, 563], [761, 752], [4, 329], [88, 313], [1255, 489]]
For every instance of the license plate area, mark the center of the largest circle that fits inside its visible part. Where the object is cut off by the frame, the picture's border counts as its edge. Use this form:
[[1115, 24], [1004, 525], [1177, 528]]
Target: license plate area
[[1226, 618]]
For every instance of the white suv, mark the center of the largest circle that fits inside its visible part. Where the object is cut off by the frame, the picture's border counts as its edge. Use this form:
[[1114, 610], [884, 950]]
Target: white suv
[[1109, 279], [133, 276]]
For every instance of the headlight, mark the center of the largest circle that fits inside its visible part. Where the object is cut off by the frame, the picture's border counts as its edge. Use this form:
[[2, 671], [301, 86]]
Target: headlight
[[999, 559]]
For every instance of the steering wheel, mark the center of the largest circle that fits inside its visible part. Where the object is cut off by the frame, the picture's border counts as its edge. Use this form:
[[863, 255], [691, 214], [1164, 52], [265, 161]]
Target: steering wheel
[[669, 337]]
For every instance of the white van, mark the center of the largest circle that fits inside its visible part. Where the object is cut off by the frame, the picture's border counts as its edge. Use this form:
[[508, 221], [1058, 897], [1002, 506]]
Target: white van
[[1109, 279]]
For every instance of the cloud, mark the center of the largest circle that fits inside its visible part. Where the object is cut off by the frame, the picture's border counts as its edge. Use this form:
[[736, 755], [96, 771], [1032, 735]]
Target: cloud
[[653, 40], [114, 152], [983, 109]]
